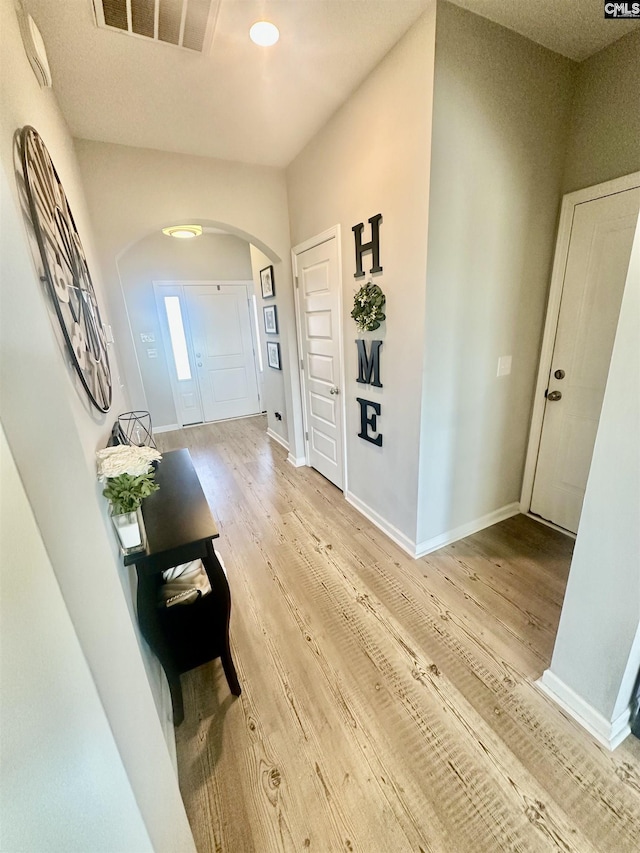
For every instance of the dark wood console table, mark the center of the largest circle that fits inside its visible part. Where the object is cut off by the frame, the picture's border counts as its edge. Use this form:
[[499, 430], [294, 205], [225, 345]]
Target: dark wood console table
[[179, 528]]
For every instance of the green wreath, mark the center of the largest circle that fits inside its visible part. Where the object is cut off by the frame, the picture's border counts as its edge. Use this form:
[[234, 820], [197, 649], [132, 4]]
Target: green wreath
[[367, 307]]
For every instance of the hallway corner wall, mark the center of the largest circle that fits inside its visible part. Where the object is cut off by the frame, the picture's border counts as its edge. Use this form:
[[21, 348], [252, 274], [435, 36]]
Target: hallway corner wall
[[596, 653], [50, 707], [596, 658], [372, 157], [53, 433], [500, 122]]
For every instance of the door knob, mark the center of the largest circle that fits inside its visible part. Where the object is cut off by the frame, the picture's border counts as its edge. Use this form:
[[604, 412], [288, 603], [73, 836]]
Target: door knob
[[334, 390], [554, 395], [199, 364]]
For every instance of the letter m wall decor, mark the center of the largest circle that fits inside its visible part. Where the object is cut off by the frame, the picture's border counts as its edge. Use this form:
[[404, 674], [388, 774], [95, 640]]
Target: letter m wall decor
[[369, 364]]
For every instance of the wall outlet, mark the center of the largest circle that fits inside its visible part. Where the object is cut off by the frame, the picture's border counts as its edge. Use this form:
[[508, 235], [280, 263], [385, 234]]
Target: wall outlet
[[504, 365], [152, 353]]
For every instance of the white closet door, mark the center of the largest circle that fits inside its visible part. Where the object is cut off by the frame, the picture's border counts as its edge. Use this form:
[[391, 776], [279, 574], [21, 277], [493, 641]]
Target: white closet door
[[595, 275]]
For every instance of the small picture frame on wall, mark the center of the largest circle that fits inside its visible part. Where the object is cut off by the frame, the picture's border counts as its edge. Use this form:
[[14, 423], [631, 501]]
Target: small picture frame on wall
[[267, 283], [270, 320], [273, 355]]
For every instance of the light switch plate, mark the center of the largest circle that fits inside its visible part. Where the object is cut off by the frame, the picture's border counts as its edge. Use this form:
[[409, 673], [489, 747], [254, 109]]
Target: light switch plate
[[147, 337], [504, 365]]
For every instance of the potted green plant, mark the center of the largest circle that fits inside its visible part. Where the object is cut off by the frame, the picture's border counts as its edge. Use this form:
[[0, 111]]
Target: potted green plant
[[128, 473]]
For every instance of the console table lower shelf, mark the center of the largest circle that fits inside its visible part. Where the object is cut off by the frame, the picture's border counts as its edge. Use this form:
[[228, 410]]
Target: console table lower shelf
[[180, 528]]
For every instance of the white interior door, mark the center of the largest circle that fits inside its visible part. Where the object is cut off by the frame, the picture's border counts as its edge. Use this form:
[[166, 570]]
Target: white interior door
[[220, 323], [318, 306], [597, 264]]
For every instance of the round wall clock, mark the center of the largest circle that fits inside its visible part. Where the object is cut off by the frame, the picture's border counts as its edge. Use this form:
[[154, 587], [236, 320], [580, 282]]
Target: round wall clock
[[65, 270]]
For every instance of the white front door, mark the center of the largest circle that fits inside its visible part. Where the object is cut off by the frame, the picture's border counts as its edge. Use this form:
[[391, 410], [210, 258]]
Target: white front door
[[597, 263], [318, 306], [220, 322], [177, 343]]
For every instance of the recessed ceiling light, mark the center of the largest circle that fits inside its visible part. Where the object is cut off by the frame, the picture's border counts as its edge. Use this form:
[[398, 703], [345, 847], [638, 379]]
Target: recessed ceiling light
[[264, 33], [183, 232]]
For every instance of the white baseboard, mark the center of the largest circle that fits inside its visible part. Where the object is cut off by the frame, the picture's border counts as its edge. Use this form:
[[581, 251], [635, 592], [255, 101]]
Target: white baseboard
[[449, 536], [296, 461], [280, 440], [609, 733], [546, 523], [392, 532], [172, 427], [169, 428], [446, 538]]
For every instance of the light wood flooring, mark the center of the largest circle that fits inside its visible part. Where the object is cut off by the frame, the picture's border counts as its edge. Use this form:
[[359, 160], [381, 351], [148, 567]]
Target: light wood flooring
[[388, 704]]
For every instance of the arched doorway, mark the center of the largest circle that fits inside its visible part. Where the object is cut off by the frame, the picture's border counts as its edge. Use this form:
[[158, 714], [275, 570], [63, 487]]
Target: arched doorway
[[191, 271]]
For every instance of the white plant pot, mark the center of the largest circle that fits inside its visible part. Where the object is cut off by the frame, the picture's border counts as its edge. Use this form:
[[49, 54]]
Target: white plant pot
[[130, 530]]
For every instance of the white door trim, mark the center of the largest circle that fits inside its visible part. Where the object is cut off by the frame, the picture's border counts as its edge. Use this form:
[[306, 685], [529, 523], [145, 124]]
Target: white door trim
[[331, 233], [569, 203]]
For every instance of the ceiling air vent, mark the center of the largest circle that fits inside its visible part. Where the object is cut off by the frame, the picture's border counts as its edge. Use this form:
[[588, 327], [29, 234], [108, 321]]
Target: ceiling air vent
[[183, 23]]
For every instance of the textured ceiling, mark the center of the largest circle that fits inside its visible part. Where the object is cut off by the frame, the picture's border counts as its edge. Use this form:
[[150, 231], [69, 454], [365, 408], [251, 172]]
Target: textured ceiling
[[239, 102], [259, 105]]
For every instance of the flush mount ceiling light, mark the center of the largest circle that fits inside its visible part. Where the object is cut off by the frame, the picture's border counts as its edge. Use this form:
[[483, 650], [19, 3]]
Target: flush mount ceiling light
[[264, 34], [183, 232]]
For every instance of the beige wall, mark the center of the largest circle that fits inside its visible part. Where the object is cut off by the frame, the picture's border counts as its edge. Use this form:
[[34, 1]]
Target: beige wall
[[604, 141], [53, 434], [372, 157], [157, 257], [274, 396], [133, 192], [50, 708], [500, 119]]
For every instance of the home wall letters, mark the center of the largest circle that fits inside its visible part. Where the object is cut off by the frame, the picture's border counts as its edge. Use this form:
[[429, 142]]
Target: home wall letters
[[369, 365], [369, 421], [372, 246], [369, 362]]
